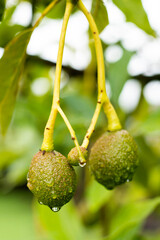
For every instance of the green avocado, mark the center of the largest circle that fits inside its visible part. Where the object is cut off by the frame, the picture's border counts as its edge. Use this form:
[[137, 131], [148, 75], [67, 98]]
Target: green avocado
[[73, 155], [51, 179], [114, 158]]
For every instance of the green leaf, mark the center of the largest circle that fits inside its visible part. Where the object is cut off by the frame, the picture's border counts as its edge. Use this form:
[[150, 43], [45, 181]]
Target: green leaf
[[14, 207], [100, 15], [150, 123], [11, 65], [129, 219], [7, 32], [65, 224], [57, 12], [96, 196], [2, 8], [135, 13], [118, 75]]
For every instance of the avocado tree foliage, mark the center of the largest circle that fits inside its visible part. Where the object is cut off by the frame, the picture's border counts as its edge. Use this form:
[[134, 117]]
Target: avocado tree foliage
[[112, 160]]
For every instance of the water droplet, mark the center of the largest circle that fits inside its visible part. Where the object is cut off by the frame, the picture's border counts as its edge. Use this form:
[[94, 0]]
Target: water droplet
[[55, 209], [49, 182], [129, 148], [82, 164], [127, 180], [28, 176], [54, 196], [40, 202], [29, 185]]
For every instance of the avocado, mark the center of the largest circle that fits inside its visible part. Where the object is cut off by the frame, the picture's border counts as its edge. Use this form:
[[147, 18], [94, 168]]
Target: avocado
[[73, 155], [114, 158], [51, 179]]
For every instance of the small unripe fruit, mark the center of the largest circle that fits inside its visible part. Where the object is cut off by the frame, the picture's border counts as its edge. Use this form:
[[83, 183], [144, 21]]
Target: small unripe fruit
[[51, 179], [73, 155], [113, 158]]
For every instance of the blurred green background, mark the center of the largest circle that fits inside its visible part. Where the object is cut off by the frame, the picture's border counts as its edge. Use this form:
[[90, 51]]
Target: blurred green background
[[131, 211]]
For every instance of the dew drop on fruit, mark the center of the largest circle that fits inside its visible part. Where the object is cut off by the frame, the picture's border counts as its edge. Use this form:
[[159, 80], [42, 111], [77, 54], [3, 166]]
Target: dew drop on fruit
[[49, 182], [27, 176], [30, 186], [55, 209], [82, 164], [54, 196], [70, 190]]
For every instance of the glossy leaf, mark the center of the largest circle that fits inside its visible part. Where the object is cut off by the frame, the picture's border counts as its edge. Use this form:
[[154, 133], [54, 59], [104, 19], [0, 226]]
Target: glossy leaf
[[58, 11], [150, 124], [7, 32], [96, 196], [99, 12], [135, 13], [117, 75], [2, 8], [11, 65], [65, 224], [129, 219], [16, 217]]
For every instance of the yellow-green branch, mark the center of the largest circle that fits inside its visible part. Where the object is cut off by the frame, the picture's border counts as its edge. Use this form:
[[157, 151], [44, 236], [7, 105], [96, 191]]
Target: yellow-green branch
[[113, 120], [45, 12], [47, 144], [73, 135]]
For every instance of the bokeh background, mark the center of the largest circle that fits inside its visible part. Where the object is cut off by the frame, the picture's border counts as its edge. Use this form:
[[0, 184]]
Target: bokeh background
[[131, 44]]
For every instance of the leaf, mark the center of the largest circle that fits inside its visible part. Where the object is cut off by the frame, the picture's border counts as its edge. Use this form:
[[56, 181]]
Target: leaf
[[150, 123], [118, 75], [96, 196], [7, 32], [2, 8], [146, 123], [129, 219], [57, 12], [65, 224], [11, 65], [100, 15], [14, 207], [135, 13]]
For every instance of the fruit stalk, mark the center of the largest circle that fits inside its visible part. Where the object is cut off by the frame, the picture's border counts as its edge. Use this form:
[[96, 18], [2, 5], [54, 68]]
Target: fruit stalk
[[45, 12], [48, 144], [82, 160], [113, 120]]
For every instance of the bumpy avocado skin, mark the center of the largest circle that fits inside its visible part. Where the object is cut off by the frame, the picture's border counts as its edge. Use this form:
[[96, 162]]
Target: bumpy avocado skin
[[114, 158], [51, 179], [73, 156]]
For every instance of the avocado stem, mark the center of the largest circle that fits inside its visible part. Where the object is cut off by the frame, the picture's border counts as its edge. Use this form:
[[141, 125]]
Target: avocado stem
[[113, 120], [45, 12], [48, 143], [73, 135]]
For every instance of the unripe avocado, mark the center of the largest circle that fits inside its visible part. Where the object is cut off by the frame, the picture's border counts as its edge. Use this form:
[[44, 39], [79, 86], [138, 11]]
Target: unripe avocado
[[51, 179], [114, 158], [73, 155]]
